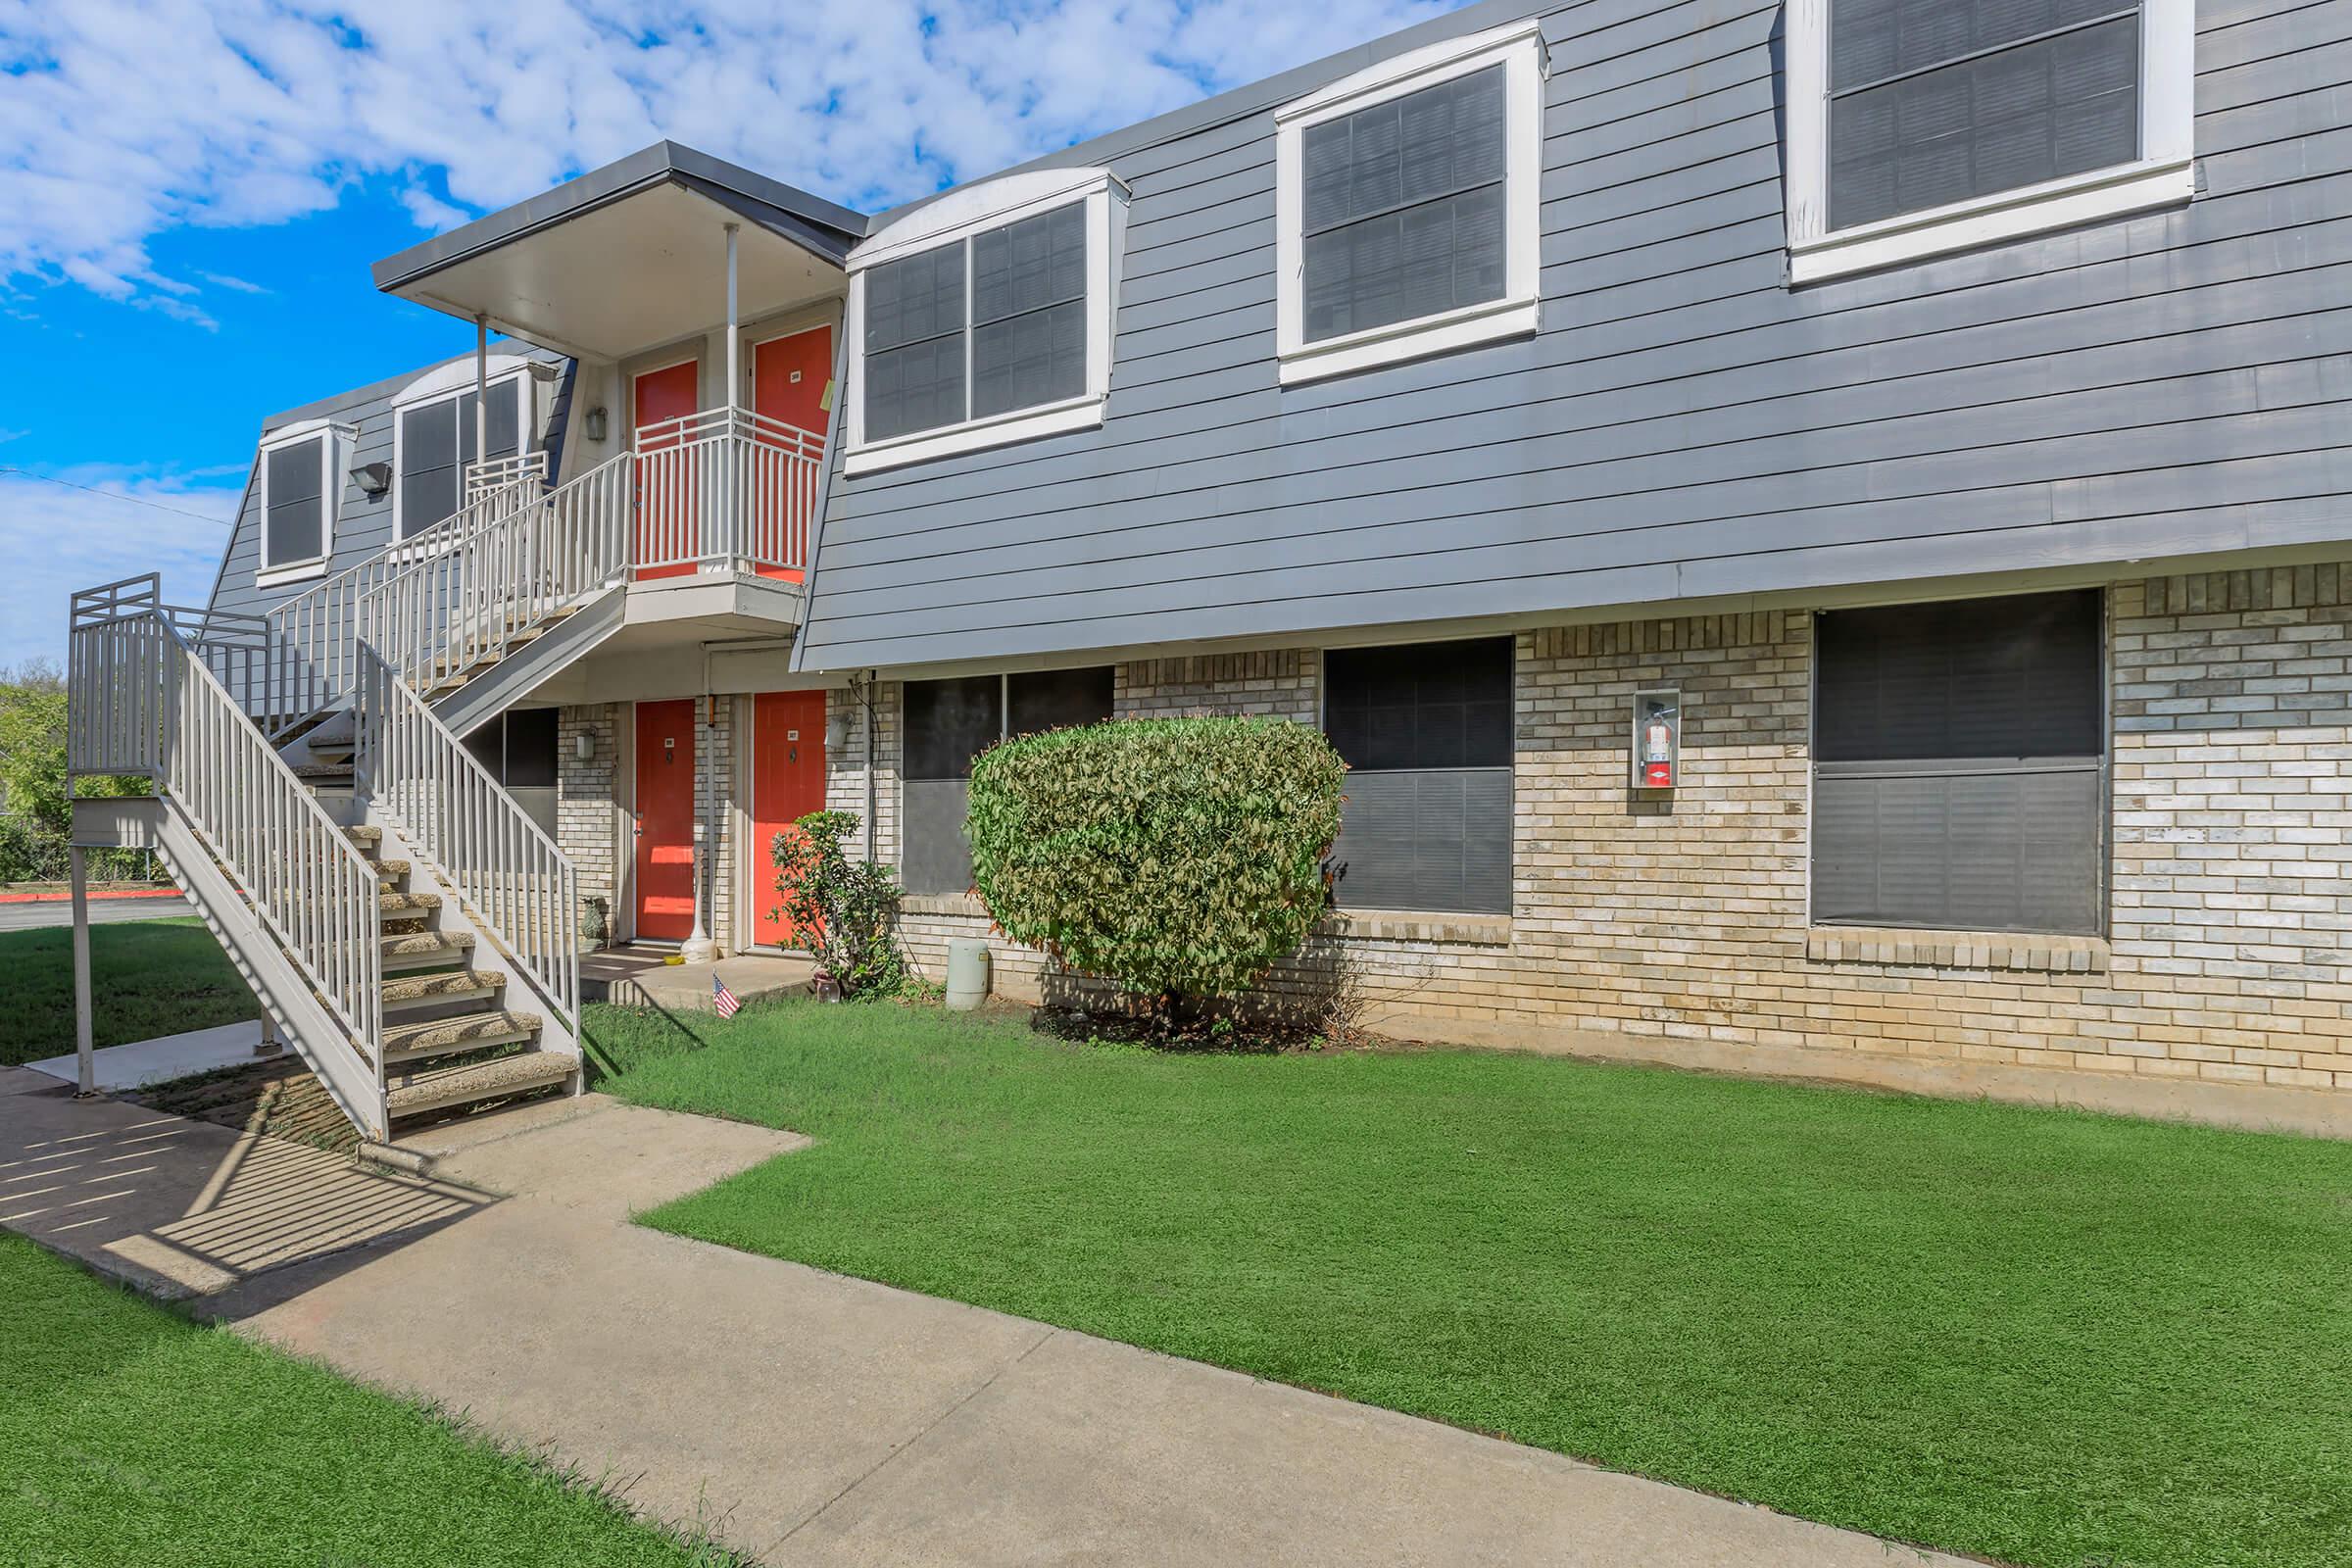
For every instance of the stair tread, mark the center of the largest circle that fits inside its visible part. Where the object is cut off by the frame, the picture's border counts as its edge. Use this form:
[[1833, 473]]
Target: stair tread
[[452, 984], [323, 770], [391, 903], [389, 868], [365, 834], [433, 1087], [448, 1033], [412, 944]]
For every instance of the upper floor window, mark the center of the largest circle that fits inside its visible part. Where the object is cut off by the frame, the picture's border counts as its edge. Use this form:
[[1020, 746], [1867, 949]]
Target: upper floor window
[[1918, 126], [1407, 206], [437, 434], [299, 491], [984, 318], [435, 441]]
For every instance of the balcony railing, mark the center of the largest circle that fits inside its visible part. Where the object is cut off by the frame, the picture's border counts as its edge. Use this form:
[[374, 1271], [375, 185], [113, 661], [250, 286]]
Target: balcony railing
[[724, 490], [497, 473]]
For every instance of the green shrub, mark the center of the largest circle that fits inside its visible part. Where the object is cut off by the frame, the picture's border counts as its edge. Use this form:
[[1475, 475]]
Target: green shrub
[[842, 912], [1176, 857]]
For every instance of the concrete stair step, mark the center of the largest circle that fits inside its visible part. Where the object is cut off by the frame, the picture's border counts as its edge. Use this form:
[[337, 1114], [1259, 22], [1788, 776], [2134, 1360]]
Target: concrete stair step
[[419, 950], [323, 773], [444, 1037], [390, 868], [406, 902], [444, 984], [364, 836], [460, 1083]]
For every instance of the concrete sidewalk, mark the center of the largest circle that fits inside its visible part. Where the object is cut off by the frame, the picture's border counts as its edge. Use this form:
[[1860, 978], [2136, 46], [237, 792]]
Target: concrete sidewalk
[[800, 1416]]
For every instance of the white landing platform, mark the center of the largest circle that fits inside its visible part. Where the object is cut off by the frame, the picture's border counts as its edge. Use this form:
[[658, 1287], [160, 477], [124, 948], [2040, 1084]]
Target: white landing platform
[[153, 1061]]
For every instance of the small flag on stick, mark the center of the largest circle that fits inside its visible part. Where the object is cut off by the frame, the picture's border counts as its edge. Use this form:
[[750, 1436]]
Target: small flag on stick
[[722, 998]]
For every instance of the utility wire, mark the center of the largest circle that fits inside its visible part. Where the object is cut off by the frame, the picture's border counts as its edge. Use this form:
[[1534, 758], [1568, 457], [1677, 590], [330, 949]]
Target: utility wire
[[116, 495]]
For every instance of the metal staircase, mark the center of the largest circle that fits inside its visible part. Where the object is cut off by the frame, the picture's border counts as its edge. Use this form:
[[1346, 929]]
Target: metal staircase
[[408, 927]]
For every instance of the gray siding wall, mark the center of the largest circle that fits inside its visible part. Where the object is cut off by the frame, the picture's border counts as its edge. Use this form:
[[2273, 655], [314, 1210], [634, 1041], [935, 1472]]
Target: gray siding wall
[[363, 527], [1685, 425]]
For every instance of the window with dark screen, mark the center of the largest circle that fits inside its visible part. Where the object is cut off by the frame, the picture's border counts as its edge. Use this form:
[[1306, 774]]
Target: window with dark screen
[[1960, 766]]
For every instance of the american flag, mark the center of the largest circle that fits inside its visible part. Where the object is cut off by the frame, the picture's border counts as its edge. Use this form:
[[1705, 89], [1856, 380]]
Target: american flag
[[722, 998]]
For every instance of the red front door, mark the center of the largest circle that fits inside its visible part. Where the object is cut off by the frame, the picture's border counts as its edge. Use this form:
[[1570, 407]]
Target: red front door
[[665, 820], [790, 377], [666, 479], [788, 782]]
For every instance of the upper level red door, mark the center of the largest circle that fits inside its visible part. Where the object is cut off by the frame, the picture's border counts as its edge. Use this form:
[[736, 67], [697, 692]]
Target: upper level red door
[[788, 782], [665, 820], [666, 479], [791, 377]]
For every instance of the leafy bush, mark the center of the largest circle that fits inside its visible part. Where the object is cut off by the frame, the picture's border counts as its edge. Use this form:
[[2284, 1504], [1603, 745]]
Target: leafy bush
[[842, 912], [1176, 857]]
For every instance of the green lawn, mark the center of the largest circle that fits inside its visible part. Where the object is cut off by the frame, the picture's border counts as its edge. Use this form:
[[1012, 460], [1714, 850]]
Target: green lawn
[[129, 1434], [2048, 1338], [147, 978]]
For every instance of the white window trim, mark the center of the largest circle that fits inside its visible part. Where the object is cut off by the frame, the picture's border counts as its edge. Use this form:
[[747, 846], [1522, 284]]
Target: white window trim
[[1519, 46], [437, 387], [952, 220], [2162, 175], [334, 440]]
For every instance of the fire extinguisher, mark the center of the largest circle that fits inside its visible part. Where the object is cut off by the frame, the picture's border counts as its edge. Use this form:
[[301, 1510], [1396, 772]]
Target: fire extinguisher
[[1657, 752]]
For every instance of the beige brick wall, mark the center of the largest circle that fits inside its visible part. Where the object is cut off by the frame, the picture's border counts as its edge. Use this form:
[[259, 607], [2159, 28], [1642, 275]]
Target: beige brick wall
[[1685, 918], [2232, 814], [587, 819], [1281, 684]]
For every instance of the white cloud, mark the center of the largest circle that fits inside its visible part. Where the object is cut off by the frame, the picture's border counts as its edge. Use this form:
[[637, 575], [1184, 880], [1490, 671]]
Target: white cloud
[[59, 539], [126, 118]]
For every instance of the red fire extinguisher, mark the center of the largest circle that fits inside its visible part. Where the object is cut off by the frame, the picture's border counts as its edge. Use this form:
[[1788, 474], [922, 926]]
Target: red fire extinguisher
[[1657, 753]]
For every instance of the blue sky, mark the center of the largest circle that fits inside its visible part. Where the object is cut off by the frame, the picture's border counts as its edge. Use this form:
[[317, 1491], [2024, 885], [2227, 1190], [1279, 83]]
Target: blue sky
[[192, 191]]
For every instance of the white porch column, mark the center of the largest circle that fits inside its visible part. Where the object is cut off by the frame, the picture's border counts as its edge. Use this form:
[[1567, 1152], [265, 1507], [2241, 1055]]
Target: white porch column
[[720, 545], [481, 402], [86, 1068]]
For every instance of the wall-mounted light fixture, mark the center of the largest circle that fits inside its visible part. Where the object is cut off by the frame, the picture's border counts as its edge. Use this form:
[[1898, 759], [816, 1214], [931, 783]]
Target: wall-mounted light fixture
[[373, 480], [837, 730], [583, 746], [596, 423]]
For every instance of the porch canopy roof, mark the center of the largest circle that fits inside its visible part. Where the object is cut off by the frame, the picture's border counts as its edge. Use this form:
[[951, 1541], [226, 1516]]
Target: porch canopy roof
[[631, 256]]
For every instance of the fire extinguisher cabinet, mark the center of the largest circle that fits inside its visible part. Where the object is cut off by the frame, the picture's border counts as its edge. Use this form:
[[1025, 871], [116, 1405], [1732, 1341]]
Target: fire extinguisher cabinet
[[1657, 741]]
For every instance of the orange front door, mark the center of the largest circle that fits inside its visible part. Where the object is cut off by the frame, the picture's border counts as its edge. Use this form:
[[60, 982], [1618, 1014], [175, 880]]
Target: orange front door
[[788, 782], [665, 478], [790, 377], [665, 820]]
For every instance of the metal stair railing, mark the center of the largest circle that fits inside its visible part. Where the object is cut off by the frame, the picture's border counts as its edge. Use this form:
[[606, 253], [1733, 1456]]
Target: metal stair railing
[[315, 634], [467, 601], [515, 882], [143, 700]]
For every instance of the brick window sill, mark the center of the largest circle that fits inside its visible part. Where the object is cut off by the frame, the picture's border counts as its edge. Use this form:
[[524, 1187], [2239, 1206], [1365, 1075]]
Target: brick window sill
[[963, 903], [1956, 949], [1379, 926], [1404, 925]]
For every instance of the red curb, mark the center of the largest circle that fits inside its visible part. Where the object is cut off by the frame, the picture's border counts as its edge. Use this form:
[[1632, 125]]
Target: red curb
[[66, 898]]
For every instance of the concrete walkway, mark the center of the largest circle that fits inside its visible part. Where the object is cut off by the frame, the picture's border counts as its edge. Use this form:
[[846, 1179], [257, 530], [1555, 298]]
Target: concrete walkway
[[800, 1416], [162, 1059]]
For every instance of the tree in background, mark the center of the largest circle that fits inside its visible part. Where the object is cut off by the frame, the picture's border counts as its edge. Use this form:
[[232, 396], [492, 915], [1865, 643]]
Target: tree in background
[[36, 810]]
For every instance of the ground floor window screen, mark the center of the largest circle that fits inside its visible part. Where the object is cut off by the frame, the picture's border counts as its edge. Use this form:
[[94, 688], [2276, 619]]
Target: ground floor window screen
[[1960, 766], [1426, 732], [949, 722], [519, 748]]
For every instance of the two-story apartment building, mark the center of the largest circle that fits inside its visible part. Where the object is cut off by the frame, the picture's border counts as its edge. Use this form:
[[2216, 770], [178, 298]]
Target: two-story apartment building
[[1925, 422]]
